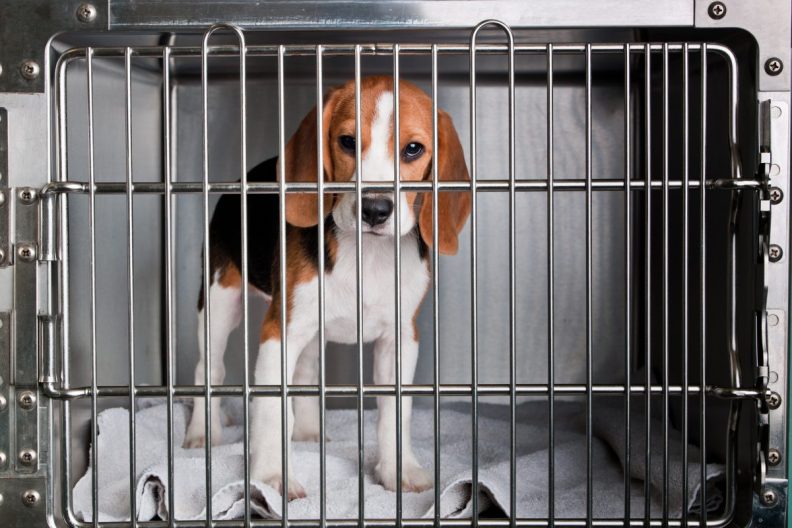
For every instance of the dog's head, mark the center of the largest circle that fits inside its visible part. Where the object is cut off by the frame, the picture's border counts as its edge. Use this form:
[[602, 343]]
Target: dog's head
[[415, 155]]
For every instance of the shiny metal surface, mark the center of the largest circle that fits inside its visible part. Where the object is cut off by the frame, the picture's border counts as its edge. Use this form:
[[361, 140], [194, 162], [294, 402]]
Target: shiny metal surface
[[391, 14]]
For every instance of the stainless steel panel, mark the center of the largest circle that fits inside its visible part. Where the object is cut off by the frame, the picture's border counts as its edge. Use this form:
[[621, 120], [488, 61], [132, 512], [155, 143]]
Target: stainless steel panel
[[359, 14]]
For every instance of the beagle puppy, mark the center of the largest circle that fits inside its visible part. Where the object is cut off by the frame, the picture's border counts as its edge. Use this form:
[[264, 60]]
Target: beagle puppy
[[302, 246]]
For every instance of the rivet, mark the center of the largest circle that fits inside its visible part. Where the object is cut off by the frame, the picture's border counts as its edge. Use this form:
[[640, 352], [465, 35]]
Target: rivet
[[3, 459], [1, 499], [769, 497], [27, 195], [2, 199], [86, 13], [775, 169], [26, 252], [776, 195], [3, 403], [27, 400], [1, 69], [717, 10], [775, 112], [773, 400], [772, 319], [2, 256], [27, 457], [30, 497], [29, 69], [775, 252], [773, 66], [774, 457]]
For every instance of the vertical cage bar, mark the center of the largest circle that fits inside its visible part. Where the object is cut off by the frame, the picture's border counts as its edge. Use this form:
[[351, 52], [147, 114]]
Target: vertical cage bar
[[284, 293], [130, 284], [512, 296], [665, 284], [685, 264], [550, 293], [473, 283], [627, 278], [206, 282], [435, 289], [321, 285], [62, 277], [397, 280], [170, 329], [359, 285], [89, 52], [589, 265], [703, 285], [648, 280], [245, 270]]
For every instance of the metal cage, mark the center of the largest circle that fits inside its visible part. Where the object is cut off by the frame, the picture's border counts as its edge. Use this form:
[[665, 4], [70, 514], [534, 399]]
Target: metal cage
[[623, 267]]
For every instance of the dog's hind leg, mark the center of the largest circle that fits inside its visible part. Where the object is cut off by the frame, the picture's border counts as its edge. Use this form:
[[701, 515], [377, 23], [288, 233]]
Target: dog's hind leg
[[225, 312], [306, 408]]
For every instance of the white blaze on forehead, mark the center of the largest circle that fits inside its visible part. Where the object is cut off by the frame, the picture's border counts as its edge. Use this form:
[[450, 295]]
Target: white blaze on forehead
[[378, 161]]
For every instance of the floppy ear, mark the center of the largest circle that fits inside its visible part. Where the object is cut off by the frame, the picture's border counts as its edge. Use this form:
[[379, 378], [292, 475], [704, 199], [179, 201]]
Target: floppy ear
[[302, 209], [453, 206]]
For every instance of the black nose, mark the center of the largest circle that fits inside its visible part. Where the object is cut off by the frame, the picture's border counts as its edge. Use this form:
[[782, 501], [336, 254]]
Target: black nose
[[376, 210]]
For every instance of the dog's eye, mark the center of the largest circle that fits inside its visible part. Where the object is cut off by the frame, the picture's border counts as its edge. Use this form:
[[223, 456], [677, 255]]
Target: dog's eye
[[412, 151], [347, 143]]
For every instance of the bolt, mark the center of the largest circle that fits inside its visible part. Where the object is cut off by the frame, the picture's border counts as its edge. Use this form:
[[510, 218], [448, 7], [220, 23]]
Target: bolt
[[775, 252], [29, 69], [773, 400], [776, 195], [27, 457], [30, 497], [27, 400], [717, 10], [768, 497], [26, 252], [774, 66], [774, 457], [3, 403], [86, 13], [3, 459], [27, 195]]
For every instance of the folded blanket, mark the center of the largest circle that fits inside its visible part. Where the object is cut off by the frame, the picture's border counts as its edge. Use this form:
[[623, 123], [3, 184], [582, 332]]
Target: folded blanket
[[151, 494]]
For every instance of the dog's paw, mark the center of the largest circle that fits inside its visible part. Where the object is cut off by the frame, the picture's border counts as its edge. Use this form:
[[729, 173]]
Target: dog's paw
[[413, 478], [296, 491], [196, 436]]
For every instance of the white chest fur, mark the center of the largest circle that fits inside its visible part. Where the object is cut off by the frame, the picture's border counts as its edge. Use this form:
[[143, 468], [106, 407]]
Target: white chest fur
[[378, 292]]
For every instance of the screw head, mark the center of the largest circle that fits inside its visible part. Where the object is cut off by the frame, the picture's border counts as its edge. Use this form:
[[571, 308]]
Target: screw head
[[717, 10], [773, 400], [27, 457], [774, 457], [769, 497], [27, 400], [776, 195], [30, 497], [86, 13], [775, 252], [773, 66], [26, 252], [27, 195], [29, 69]]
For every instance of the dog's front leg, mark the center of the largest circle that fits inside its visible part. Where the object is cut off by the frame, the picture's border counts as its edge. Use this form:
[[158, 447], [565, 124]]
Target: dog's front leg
[[266, 430], [413, 477]]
